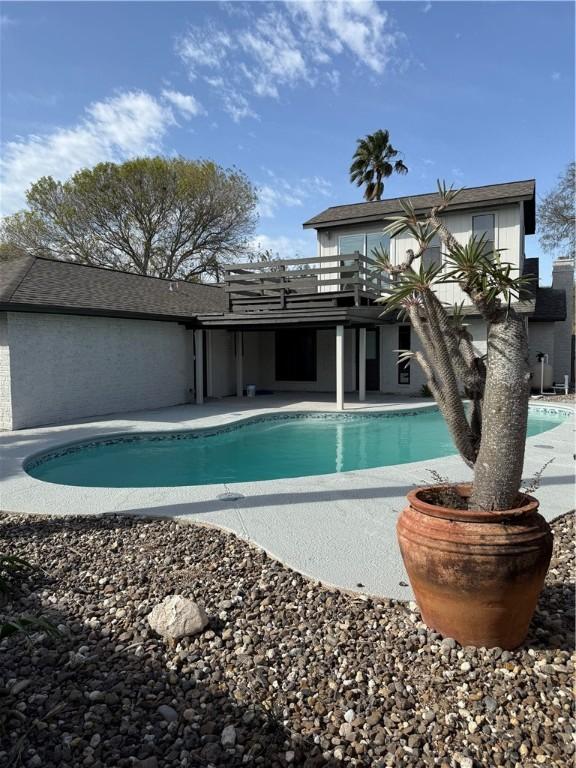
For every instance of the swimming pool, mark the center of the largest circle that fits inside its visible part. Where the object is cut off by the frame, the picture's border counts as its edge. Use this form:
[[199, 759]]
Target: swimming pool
[[260, 448]]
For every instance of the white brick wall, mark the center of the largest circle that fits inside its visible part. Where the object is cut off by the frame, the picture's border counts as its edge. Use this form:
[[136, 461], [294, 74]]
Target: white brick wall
[[66, 367], [5, 388]]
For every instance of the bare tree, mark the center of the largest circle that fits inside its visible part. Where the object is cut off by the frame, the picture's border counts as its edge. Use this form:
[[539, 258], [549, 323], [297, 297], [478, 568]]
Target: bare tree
[[491, 435], [164, 217], [557, 215]]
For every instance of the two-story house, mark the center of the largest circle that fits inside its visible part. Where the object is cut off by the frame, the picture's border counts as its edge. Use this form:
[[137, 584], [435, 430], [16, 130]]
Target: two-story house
[[504, 214], [79, 341]]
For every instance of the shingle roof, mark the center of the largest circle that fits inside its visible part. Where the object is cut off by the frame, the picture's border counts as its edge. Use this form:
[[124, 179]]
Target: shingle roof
[[472, 196], [550, 305], [40, 283], [532, 268]]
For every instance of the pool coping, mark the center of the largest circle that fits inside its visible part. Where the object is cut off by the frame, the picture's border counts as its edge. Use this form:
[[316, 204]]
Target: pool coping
[[337, 528]]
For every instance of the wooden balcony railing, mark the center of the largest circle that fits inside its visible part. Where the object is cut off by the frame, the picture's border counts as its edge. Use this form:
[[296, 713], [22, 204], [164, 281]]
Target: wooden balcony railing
[[303, 282]]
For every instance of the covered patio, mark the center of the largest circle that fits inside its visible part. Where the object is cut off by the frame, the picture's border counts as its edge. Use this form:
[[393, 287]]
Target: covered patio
[[321, 350]]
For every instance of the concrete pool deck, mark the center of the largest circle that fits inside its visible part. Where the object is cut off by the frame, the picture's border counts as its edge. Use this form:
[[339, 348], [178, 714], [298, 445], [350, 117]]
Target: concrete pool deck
[[338, 529]]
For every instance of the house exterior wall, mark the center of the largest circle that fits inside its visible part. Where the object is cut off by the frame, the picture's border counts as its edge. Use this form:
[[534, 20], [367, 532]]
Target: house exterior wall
[[5, 379], [563, 353], [220, 356], [66, 367], [509, 235], [260, 356]]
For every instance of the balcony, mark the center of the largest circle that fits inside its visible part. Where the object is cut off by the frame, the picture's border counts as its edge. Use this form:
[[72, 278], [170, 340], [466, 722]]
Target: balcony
[[336, 281]]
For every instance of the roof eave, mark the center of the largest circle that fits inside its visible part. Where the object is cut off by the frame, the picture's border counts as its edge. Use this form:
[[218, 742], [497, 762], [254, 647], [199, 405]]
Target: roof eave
[[528, 200], [53, 309]]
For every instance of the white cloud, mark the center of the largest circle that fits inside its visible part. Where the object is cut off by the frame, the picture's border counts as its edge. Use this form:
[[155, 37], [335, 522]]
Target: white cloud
[[285, 247], [361, 28], [279, 193], [287, 45], [458, 173], [275, 52], [237, 106], [126, 125], [7, 21], [184, 103], [427, 8], [201, 48], [555, 75]]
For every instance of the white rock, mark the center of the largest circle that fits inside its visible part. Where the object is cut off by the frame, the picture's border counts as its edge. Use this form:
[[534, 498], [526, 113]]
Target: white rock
[[349, 715], [228, 737], [289, 756], [177, 616]]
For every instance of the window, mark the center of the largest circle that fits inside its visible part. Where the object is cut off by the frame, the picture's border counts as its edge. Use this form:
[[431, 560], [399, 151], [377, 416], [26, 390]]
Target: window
[[484, 225], [349, 244], [380, 241], [433, 254], [295, 353], [363, 243], [404, 345]]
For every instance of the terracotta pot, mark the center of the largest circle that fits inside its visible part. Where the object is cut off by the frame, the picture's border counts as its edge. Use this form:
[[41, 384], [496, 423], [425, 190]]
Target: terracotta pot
[[476, 575]]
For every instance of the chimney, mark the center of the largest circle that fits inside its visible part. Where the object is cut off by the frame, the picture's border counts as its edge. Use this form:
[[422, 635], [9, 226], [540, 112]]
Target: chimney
[[564, 350]]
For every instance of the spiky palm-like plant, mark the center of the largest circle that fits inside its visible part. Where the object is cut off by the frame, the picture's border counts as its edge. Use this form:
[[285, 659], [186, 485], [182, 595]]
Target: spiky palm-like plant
[[491, 434], [374, 161]]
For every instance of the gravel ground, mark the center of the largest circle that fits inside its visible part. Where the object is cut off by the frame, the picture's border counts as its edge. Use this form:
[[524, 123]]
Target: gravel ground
[[287, 673]]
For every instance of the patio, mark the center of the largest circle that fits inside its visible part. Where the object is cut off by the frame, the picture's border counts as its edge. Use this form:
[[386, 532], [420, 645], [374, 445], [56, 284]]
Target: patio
[[338, 529]]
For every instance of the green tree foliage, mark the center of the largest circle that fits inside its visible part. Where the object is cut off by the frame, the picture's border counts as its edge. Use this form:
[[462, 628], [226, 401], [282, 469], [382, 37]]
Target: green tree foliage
[[374, 161], [164, 217], [557, 215]]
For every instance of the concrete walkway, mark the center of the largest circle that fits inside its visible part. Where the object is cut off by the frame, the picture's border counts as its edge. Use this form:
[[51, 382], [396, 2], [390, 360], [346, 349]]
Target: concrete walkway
[[337, 528]]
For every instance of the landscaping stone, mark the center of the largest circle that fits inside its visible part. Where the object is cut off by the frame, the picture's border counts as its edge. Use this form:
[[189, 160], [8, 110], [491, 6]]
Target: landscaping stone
[[288, 673], [228, 737], [177, 617]]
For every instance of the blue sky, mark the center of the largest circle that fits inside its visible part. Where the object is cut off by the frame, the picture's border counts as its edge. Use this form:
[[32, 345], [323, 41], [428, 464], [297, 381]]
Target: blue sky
[[472, 92]]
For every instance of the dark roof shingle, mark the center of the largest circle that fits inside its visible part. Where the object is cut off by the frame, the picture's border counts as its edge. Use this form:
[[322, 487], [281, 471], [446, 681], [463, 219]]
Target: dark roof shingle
[[550, 305], [362, 212], [33, 283]]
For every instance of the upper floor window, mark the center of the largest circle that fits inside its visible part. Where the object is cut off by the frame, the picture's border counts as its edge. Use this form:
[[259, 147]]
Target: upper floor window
[[484, 224], [364, 243], [433, 254]]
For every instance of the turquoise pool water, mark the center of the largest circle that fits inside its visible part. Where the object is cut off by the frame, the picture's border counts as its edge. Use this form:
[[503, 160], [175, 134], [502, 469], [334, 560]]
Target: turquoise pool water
[[265, 448]]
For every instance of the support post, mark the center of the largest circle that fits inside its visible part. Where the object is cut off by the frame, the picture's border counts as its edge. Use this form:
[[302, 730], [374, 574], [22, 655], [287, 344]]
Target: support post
[[362, 365], [199, 365], [239, 363], [340, 367]]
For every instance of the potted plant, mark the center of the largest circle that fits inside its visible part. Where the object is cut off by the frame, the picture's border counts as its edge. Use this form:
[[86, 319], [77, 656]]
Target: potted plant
[[477, 553]]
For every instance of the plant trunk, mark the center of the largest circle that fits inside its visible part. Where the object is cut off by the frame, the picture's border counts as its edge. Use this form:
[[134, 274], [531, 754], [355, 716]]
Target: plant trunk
[[498, 468]]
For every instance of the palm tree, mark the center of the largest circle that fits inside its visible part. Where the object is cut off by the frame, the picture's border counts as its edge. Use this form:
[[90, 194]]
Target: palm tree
[[372, 162]]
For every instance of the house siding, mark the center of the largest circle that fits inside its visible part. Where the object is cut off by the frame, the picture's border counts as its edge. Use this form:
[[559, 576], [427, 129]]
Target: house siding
[[508, 236], [563, 351], [66, 367], [221, 369]]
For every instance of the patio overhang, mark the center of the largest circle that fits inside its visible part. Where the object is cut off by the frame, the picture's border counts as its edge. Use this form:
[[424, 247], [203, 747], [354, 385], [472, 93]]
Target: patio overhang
[[323, 317]]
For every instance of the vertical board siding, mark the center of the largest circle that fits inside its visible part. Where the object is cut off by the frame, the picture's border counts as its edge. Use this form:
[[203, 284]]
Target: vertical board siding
[[508, 236]]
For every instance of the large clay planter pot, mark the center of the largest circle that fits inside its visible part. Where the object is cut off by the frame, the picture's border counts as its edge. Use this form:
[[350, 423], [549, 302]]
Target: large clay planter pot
[[476, 575]]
